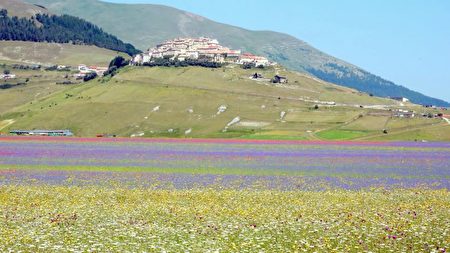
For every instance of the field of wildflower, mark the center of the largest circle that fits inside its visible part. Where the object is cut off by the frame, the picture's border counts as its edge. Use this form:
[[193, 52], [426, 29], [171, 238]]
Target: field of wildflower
[[198, 195]]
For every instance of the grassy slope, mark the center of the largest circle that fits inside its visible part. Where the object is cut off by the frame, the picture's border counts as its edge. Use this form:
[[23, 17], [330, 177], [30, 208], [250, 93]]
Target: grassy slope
[[21, 9], [146, 25], [42, 83], [54, 53], [124, 106]]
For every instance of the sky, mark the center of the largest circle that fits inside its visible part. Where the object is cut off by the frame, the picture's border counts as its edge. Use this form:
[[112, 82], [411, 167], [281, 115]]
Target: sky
[[404, 41]]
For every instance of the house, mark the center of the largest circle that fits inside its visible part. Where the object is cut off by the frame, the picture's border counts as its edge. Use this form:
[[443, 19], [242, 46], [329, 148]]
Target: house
[[7, 76], [401, 99], [192, 54], [146, 57], [400, 113], [84, 69], [257, 76], [279, 79], [91, 69], [255, 60], [232, 56], [138, 59]]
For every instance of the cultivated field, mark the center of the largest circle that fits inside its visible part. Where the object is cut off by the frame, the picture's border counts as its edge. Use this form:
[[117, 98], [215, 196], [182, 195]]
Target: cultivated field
[[167, 195]]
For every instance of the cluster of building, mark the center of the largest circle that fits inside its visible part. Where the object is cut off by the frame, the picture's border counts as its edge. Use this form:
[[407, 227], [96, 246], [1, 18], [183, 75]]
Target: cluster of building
[[401, 113], [84, 70], [202, 48]]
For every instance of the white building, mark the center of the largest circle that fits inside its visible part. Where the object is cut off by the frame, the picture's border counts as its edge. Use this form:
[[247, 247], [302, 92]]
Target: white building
[[147, 57], [7, 76], [198, 48], [401, 99]]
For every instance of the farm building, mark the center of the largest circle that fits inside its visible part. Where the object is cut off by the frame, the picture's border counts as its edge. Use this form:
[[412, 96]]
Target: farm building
[[404, 113], [401, 99], [7, 76], [279, 79], [42, 132]]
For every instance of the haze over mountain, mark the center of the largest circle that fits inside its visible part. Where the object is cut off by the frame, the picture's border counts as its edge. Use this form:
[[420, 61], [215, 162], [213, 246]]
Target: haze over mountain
[[145, 25]]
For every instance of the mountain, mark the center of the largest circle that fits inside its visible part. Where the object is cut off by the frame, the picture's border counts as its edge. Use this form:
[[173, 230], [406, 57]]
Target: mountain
[[44, 27], [146, 25]]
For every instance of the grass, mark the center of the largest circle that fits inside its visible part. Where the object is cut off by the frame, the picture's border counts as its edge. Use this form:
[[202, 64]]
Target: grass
[[364, 123], [204, 171], [263, 136], [40, 86], [339, 134], [54, 54], [439, 132]]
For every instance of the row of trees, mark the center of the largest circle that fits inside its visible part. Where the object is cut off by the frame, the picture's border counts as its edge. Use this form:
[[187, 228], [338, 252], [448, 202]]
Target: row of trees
[[115, 64], [164, 62], [59, 29]]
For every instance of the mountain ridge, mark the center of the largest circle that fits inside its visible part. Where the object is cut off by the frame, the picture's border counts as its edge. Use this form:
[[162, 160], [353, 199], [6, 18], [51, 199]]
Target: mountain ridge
[[145, 25]]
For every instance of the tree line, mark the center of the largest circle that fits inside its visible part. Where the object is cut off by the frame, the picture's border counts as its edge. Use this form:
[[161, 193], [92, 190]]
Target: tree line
[[164, 62], [59, 29]]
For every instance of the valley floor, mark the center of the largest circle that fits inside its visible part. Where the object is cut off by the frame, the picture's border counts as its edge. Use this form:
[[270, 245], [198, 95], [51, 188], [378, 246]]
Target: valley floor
[[120, 219], [203, 195]]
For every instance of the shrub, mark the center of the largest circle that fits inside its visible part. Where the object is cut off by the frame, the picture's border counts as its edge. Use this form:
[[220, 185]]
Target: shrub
[[89, 76]]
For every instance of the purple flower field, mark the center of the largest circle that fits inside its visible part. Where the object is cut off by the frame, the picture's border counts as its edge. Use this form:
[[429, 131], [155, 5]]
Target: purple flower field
[[194, 195], [184, 164]]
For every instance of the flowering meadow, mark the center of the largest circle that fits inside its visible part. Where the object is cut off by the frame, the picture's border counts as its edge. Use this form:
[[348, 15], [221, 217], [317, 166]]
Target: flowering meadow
[[200, 195]]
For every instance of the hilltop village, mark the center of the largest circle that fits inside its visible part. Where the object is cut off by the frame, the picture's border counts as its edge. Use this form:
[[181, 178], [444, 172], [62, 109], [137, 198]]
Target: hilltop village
[[208, 53], [201, 49]]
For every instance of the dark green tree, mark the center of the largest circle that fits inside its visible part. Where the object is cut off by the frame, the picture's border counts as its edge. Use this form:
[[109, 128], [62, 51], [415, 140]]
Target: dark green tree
[[89, 76], [59, 29], [118, 62]]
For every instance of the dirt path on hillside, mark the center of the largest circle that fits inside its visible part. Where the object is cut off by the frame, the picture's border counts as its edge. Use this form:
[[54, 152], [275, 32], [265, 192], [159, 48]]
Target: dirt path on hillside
[[5, 123], [448, 121]]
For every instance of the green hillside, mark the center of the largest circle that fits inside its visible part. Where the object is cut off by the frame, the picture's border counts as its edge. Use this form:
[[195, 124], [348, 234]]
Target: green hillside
[[145, 25], [42, 83], [25, 52], [184, 102]]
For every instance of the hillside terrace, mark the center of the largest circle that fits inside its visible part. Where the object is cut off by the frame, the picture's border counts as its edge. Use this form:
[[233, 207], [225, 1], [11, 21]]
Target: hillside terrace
[[202, 48]]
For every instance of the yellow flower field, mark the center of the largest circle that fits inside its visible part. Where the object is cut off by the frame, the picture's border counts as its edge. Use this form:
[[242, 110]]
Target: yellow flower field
[[47, 218]]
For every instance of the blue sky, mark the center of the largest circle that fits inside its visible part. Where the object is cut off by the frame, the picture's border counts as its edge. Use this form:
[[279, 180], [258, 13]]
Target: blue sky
[[405, 41]]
